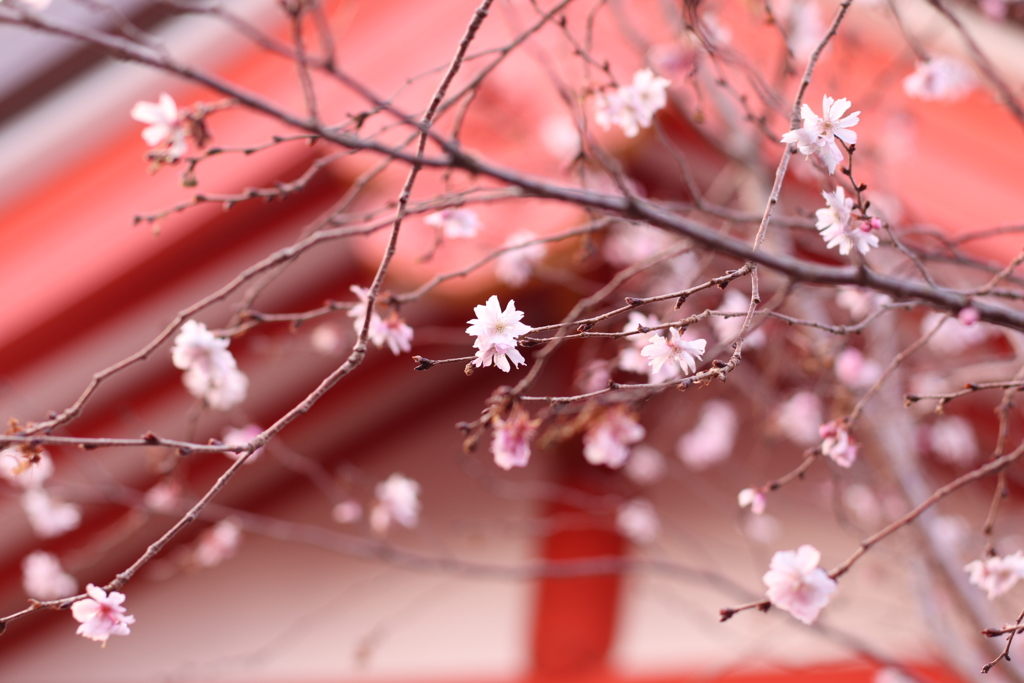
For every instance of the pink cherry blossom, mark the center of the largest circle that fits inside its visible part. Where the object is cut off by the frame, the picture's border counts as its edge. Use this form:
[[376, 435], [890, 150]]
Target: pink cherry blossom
[[712, 439], [675, 351], [637, 520], [940, 78], [512, 435], [754, 499], [496, 333], [514, 267], [218, 543], [629, 358], [326, 339], [165, 125], [954, 336], [398, 501], [25, 468], [163, 497], [645, 466], [49, 517], [632, 107], [996, 575], [346, 512], [456, 224], [234, 436], [392, 331], [799, 417], [836, 227], [837, 443], [819, 133], [211, 372], [951, 439], [797, 584], [854, 370], [608, 441], [727, 329], [43, 577], [101, 615]]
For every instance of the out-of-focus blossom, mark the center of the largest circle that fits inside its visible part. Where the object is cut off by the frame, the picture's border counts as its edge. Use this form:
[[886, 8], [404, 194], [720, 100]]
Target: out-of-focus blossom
[[628, 244], [26, 468], [996, 575], [862, 503], [754, 499], [608, 441], [632, 107], [675, 351], [217, 543], [164, 125], [496, 333], [595, 375], [835, 223], [392, 331], [48, 517], [727, 329], [951, 439], [210, 370], [940, 78], [953, 337], [799, 417], [512, 436], [101, 615], [43, 578], [646, 465], [630, 358], [797, 584], [854, 370], [711, 440], [637, 520], [326, 339], [514, 267], [398, 500], [163, 497], [836, 443], [859, 302], [763, 529], [456, 224], [819, 133], [346, 512], [234, 436], [560, 136], [806, 28]]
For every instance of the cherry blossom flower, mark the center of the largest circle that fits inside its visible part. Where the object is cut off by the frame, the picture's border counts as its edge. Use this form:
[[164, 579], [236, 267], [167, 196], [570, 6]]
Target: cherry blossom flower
[[163, 497], [754, 499], [511, 443], [862, 503], [939, 78], [456, 224], [630, 244], [101, 615], [854, 370], [859, 302], [799, 417], [392, 331], [326, 339], [818, 134], [346, 512], [727, 329], [43, 578], [954, 336], [25, 468], [234, 436], [684, 353], [632, 107], [629, 358], [797, 584], [712, 439], [951, 439], [646, 465], [496, 333], [218, 543], [806, 28], [763, 529], [397, 500], [210, 370], [164, 125], [996, 575], [514, 267], [608, 441], [837, 443], [835, 223], [48, 517], [637, 520]]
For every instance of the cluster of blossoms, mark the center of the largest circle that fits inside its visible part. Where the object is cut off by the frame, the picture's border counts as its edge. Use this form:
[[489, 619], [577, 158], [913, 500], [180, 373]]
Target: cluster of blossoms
[[28, 469], [838, 228], [632, 107], [497, 333], [398, 500], [211, 372], [392, 331], [512, 435], [819, 133], [996, 575], [165, 126], [455, 224], [797, 584], [101, 615]]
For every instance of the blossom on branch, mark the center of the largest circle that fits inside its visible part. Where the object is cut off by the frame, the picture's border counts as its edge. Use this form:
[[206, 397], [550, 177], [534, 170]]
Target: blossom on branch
[[511, 443], [683, 353], [797, 584], [837, 443], [754, 499], [398, 499], [234, 436], [211, 372], [996, 575], [835, 223], [26, 468], [818, 134], [632, 107], [44, 579], [217, 543], [496, 333], [101, 615], [392, 331], [456, 224], [607, 442], [164, 125]]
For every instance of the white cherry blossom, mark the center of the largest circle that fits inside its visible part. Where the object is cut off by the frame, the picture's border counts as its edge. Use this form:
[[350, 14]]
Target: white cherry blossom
[[43, 577], [496, 333], [49, 517], [101, 615], [233, 436], [754, 499], [797, 584], [940, 78], [456, 224], [632, 107], [398, 500], [211, 372], [608, 441], [676, 350], [837, 228], [996, 575], [164, 125], [510, 445], [819, 133]]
